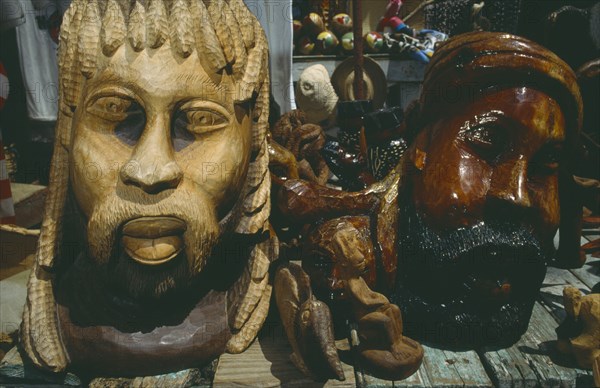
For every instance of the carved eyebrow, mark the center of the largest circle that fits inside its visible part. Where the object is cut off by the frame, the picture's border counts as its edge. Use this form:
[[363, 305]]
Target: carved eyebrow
[[499, 117], [113, 72], [493, 116], [196, 78]]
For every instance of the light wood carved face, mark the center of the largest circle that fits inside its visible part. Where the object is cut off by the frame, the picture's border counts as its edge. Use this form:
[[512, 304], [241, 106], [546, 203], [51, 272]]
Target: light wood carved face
[[159, 155]]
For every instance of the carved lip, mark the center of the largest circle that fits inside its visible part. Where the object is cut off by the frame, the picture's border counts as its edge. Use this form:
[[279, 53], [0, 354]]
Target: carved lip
[[153, 240], [154, 227]]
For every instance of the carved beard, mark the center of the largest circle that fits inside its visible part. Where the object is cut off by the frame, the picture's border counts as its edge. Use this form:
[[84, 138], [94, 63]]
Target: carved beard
[[145, 281], [452, 286]]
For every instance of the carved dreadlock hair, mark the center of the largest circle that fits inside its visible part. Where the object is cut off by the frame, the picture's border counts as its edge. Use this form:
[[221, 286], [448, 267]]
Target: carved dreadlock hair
[[229, 39], [93, 26]]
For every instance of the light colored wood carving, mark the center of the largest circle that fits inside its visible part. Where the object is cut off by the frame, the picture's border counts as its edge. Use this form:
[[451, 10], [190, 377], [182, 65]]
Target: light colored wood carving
[[216, 11], [584, 311], [136, 32], [96, 32], [181, 20], [157, 24], [113, 28], [90, 38], [71, 82], [206, 38], [242, 339]]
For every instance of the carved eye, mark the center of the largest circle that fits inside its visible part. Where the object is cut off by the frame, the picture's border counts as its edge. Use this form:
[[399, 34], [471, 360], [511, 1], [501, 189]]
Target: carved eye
[[111, 108], [195, 121], [307, 86], [547, 160], [204, 120], [488, 141], [123, 114]]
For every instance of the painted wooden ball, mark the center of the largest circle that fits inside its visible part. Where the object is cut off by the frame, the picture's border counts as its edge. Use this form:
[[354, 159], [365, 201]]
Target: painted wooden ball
[[305, 45], [341, 24], [374, 42], [313, 22], [327, 42], [348, 41]]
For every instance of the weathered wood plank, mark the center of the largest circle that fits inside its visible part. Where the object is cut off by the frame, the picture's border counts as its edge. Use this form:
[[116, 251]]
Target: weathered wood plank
[[16, 254], [266, 363], [534, 347], [469, 368], [419, 379], [551, 291], [533, 357], [504, 370], [538, 346], [590, 272], [441, 371], [530, 379]]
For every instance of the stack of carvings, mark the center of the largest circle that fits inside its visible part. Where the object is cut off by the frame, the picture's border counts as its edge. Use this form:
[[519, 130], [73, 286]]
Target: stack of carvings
[[160, 264], [460, 232]]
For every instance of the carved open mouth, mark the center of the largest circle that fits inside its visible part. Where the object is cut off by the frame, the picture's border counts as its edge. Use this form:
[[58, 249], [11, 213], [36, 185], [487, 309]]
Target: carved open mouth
[[153, 240]]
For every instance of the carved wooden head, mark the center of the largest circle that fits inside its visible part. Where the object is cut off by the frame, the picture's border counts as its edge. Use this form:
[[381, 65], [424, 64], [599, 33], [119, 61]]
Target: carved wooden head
[[498, 115], [161, 144]]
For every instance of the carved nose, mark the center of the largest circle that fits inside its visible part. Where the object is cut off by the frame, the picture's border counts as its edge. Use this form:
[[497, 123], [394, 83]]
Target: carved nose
[[151, 176], [152, 166], [509, 184]]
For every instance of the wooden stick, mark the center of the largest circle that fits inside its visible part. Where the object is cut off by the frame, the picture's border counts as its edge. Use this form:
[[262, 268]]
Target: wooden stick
[[18, 230], [419, 7], [359, 93]]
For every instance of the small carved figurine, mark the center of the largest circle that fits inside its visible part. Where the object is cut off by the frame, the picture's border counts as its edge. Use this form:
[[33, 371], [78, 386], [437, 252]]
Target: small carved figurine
[[344, 266], [344, 155], [155, 246], [305, 141], [579, 334], [385, 145], [307, 322], [315, 95]]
